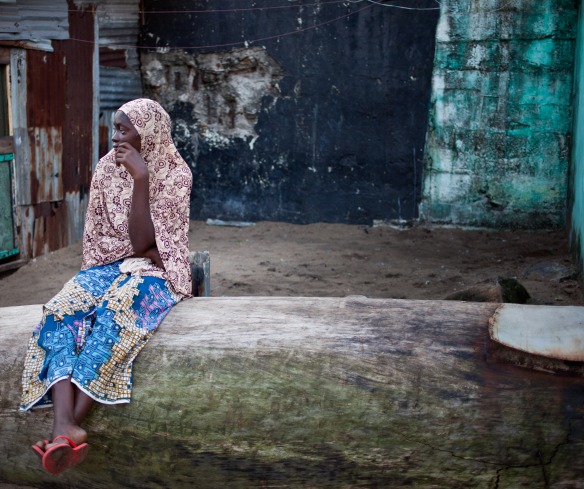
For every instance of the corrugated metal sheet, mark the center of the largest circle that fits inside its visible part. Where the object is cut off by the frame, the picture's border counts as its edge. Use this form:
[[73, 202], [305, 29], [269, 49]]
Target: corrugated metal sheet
[[78, 137], [40, 179], [4, 55], [54, 129], [34, 19], [46, 184], [119, 25], [114, 58], [55, 111], [119, 28], [117, 86], [44, 228]]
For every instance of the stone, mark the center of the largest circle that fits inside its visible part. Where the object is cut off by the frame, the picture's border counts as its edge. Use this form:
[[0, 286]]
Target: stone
[[493, 290]]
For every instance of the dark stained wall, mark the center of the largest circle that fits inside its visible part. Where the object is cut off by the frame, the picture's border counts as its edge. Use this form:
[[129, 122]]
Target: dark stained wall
[[341, 139]]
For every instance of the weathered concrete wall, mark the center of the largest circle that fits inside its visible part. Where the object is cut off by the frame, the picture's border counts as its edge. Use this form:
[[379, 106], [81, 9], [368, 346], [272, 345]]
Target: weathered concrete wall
[[576, 191], [323, 120], [500, 120], [225, 91]]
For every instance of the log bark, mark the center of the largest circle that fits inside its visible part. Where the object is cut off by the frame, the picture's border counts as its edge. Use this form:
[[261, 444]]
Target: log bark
[[306, 392]]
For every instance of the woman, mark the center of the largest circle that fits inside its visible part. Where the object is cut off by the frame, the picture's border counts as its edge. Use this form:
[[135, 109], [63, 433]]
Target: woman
[[135, 268]]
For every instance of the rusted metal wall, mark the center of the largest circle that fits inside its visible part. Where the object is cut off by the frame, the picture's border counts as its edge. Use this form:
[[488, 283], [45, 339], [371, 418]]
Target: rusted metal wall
[[45, 115], [77, 138], [119, 79], [56, 110], [119, 66], [54, 168]]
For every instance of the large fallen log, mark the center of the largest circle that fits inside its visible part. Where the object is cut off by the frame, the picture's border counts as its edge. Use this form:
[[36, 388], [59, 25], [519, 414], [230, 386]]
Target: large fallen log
[[305, 392]]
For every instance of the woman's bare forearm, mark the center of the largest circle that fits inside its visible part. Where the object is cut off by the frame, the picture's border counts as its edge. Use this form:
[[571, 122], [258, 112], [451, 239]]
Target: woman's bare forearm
[[140, 226]]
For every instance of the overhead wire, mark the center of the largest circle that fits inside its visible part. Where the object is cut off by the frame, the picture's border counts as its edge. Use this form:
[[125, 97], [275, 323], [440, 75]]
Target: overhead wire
[[370, 3], [403, 7], [271, 7], [121, 10], [245, 9]]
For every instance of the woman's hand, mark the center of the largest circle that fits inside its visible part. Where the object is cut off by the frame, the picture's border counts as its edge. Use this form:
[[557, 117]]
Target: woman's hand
[[130, 158], [154, 256]]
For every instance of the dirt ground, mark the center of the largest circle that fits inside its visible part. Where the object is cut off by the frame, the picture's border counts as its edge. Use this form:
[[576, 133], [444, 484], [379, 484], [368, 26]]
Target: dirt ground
[[278, 259]]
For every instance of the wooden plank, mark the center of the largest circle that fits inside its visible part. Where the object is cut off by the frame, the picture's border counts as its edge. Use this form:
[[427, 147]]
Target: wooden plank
[[12, 265], [201, 273], [313, 392], [4, 55], [6, 145], [550, 331]]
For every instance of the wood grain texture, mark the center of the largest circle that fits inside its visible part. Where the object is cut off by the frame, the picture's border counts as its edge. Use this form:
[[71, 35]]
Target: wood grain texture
[[313, 392], [553, 332]]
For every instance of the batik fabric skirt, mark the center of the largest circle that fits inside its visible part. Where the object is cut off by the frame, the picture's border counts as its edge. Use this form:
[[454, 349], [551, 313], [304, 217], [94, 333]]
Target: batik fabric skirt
[[92, 331]]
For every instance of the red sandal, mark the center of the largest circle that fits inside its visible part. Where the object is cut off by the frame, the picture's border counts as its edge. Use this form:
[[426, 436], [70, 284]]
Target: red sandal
[[64, 455], [38, 450]]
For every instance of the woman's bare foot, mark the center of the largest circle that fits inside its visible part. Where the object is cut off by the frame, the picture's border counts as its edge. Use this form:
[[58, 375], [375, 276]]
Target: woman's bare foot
[[40, 447], [75, 433]]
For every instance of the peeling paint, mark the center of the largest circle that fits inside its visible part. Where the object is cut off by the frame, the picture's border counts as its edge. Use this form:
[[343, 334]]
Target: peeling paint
[[225, 89], [498, 145]]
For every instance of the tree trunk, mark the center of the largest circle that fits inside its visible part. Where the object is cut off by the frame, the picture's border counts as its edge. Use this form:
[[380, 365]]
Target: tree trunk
[[305, 392]]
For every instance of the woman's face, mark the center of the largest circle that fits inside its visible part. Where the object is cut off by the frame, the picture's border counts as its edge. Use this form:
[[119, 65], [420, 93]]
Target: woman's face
[[125, 132]]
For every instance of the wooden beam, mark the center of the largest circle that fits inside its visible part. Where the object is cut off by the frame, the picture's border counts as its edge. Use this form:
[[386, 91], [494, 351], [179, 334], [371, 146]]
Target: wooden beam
[[6, 144], [4, 55], [312, 392], [12, 265], [552, 332], [201, 273]]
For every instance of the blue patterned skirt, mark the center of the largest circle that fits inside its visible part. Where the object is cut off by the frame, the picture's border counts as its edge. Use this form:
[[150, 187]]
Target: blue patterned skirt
[[91, 332]]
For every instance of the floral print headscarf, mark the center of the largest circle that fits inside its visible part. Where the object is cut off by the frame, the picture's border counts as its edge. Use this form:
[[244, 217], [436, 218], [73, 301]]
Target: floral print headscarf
[[106, 237]]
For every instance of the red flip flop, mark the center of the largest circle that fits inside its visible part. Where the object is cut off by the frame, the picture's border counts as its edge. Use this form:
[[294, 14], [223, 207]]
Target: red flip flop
[[38, 450], [64, 456]]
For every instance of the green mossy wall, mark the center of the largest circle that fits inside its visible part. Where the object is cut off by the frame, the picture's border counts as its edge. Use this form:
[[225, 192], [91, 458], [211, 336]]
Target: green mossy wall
[[576, 197], [498, 144]]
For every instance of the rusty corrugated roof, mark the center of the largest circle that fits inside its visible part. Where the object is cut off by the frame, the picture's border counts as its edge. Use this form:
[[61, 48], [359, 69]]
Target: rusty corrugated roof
[[34, 20]]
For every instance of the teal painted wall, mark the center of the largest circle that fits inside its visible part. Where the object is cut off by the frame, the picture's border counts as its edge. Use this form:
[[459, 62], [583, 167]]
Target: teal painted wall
[[498, 146], [576, 188]]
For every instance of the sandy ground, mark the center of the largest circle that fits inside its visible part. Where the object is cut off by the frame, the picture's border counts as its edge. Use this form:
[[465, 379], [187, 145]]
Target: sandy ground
[[278, 259]]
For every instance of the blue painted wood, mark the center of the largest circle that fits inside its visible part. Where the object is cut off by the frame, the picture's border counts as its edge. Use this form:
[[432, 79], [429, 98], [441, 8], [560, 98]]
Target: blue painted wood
[[7, 245]]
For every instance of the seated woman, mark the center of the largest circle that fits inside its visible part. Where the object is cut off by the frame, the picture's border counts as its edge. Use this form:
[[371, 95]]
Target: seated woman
[[135, 268]]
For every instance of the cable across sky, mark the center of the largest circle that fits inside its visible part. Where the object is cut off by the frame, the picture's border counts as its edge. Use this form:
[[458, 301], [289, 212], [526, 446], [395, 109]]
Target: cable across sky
[[247, 42]]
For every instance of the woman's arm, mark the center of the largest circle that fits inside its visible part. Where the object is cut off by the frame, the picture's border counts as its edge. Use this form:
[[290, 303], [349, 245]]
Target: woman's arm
[[140, 226]]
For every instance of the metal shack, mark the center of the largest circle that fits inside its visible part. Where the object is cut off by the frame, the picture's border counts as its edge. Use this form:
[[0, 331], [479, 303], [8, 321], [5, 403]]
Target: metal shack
[[50, 113]]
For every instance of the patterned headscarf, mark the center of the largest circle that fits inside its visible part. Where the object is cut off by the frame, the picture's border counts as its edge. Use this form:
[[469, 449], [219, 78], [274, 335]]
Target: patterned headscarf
[[106, 238]]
